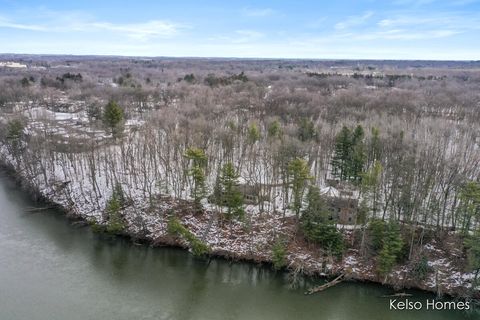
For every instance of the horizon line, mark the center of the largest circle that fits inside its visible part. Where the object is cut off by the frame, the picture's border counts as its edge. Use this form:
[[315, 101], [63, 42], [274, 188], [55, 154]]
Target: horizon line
[[231, 57]]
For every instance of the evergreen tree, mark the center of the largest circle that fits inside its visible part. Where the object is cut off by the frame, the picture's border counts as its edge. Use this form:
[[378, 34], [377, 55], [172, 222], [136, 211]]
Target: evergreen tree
[[316, 225], [472, 244], [253, 133], [198, 161], [232, 198], [113, 117], [299, 175], [279, 253], [391, 249], [341, 157], [14, 135], [358, 156], [306, 130], [470, 204], [25, 82], [274, 129], [316, 210], [376, 230], [349, 156], [374, 146], [357, 135], [370, 185], [217, 190], [115, 220]]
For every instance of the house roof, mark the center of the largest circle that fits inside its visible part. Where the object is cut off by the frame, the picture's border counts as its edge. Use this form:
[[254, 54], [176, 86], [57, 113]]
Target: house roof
[[330, 192]]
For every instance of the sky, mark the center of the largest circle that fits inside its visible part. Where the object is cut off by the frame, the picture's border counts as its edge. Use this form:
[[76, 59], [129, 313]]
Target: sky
[[335, 29]]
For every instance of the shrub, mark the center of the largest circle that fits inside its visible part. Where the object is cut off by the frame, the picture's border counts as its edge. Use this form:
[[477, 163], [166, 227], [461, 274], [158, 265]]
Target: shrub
[[328, 237], [376, 230], [279, 253], [175, 227], [421, 269], [391, 249], [115, 221]]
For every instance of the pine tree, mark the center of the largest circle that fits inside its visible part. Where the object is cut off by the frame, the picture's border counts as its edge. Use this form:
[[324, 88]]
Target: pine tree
[[376, 231], [14, 135], [391, 249], [316, 225], [306, 130], [253, 133], [341, 157], [370, 184], [115, 220], [217, 190], [299, 175], [232, 198], [470, 204], [279, 254], [113, 117], [358, 135], [472, 243], [358, 155], [316, 210], [349, 156], [374, 146], [274, 129], [197, 172]]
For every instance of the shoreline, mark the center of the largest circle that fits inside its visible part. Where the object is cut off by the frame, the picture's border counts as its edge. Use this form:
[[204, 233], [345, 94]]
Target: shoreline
[[135, 235]]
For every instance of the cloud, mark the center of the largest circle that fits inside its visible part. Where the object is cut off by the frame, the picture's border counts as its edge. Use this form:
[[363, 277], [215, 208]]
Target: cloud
[[139, 31], [400, 34], [353, 21], [258, 12], [5, 23], [416, 27]]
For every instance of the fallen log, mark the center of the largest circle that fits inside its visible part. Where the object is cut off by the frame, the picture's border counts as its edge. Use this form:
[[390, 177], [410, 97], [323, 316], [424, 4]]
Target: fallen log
[[397, 295], [33, 209], [327, 285]]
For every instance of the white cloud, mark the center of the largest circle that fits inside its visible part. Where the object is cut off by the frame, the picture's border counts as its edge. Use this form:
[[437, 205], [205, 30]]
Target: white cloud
[[5, 23], [138, 31], [400, 34], [353, 21]]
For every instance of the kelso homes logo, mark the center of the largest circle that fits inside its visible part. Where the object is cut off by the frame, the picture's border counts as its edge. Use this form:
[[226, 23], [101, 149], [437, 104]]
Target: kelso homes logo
[[429, 304]]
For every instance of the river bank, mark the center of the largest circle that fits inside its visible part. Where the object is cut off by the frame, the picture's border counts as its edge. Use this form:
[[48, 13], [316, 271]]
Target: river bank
[[253, 239]]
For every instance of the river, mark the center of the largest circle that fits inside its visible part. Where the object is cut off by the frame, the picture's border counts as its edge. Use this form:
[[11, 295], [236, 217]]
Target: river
[[50, 269]]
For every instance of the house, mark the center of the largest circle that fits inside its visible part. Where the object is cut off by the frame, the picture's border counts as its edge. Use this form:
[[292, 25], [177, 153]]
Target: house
[[342, 203], [252, 193]]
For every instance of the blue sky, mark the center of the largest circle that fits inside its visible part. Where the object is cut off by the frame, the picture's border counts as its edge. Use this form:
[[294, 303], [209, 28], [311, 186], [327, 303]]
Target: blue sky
[[336, 29]]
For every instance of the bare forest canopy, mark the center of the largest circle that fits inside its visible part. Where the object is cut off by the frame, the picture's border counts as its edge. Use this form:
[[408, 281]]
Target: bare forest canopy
[[400, 139]]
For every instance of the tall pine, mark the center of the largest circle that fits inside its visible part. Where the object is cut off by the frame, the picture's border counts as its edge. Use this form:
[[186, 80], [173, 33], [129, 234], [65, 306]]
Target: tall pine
[[232, 198], [299, 174], [340, 161], [198, 162]]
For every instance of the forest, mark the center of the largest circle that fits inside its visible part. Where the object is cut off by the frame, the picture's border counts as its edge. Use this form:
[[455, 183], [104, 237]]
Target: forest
[[369, 168]]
